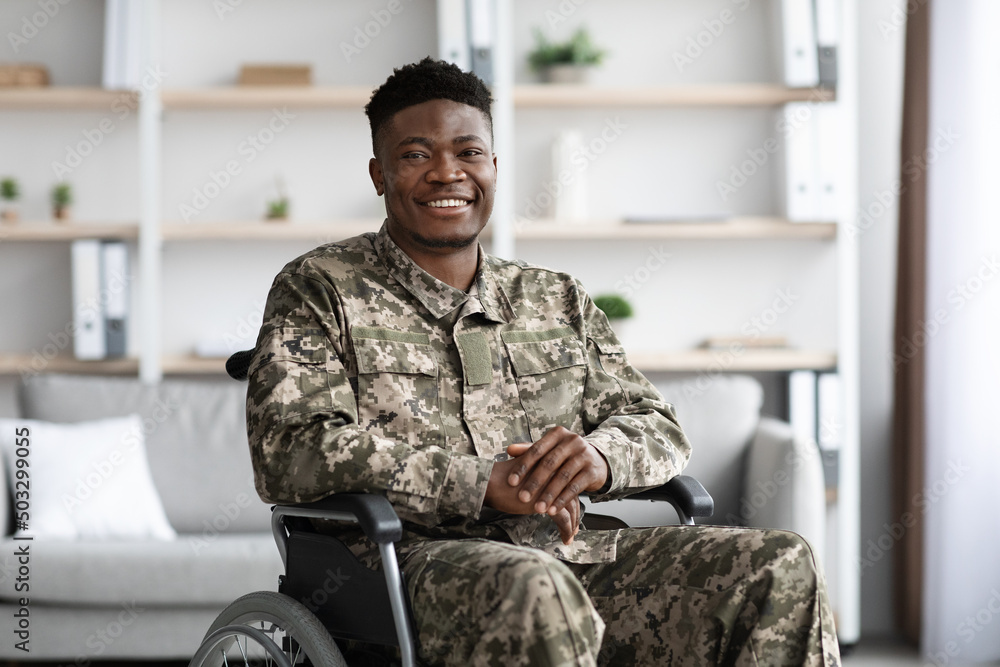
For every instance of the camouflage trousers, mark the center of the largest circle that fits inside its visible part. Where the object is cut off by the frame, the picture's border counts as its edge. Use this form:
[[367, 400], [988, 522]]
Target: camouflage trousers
[[675, 595]]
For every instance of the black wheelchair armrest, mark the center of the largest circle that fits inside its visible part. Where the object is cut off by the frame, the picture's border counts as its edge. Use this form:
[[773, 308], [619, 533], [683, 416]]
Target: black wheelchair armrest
[[685, 493], [372, 512]]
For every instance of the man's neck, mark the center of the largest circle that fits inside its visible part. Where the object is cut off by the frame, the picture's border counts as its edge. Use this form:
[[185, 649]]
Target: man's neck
[[457, 268]]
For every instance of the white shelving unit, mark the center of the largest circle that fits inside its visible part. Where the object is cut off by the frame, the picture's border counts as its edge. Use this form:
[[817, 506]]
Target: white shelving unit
[[520, 105]]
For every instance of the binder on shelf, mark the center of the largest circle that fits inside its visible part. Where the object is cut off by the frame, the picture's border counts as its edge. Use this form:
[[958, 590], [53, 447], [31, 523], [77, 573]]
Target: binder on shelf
[[115, 284], [798, 182], [122, 46], [830, 405], [89, 338], [796, 42], [453, 40], [827, 38], [113, 16], [827, 160], [802, 404], [480, 13]]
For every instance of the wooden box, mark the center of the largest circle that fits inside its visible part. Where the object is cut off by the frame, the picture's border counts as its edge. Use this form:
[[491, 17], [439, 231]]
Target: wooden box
[[276, 75]]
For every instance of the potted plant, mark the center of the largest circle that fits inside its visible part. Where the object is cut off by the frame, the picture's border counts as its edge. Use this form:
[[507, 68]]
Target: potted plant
[[62, 197], [618, 310], [9, 192], [614, 306], [565, 62], [277, 209]]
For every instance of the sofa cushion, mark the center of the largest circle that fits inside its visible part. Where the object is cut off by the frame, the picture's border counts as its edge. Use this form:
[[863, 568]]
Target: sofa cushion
[[88, 480], [192, 571], [195, 439], [719, 416]]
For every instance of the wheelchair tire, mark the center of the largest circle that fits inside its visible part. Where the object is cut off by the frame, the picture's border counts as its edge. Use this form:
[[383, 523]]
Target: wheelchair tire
[[281, 618], [232, 644]]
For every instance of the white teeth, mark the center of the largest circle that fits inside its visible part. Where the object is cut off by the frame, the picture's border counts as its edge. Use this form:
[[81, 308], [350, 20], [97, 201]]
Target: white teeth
[[442, 203]]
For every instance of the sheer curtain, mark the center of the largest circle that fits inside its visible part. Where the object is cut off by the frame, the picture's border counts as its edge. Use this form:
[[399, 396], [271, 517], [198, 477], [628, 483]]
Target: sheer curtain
[[961, 610]]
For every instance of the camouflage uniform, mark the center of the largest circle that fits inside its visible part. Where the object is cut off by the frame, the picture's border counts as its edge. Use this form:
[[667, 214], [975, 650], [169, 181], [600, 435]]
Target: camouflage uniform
[[371, 375]]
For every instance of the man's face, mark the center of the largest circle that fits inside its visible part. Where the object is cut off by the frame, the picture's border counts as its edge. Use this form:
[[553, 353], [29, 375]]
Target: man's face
[[438, 173]]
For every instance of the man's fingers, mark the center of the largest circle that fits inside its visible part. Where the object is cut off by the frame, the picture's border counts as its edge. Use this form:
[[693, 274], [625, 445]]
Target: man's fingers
[[567, 527], [570, 494], [566, 451], [518, 448], [530, 457], [566, 480]]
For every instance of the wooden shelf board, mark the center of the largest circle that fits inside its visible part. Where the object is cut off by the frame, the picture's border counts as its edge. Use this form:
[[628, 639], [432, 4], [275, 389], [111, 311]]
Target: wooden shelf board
[[735, 228], [56, 98], [265, 97], [257, 230], [684, 361], [192, 365], [332, 97], [69, 231], [726, 361], [528, 95], [16, 364], [737, 94]]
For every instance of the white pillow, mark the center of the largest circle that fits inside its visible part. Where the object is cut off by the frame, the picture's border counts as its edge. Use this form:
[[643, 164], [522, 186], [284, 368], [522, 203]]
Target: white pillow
[[88, 480]]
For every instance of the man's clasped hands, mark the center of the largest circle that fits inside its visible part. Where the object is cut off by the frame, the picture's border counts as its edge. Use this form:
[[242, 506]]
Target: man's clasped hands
[[547, 477]]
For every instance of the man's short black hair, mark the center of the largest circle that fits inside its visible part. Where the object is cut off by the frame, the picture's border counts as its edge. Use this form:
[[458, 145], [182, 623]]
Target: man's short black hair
[[421, 82]]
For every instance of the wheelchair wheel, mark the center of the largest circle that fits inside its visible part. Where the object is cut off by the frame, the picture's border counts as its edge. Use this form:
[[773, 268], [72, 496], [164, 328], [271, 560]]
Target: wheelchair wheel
[[239, 644], [288, 627]]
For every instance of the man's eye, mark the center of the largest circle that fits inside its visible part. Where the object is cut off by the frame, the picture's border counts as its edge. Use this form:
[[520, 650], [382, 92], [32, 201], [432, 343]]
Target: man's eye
[[472, 152], [412, 156]]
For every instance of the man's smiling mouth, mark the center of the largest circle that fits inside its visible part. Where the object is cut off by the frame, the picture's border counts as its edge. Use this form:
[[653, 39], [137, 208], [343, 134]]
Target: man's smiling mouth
[[445, 203]]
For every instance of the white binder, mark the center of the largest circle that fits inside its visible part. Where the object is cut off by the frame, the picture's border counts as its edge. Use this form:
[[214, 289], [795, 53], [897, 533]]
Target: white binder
[[827, 157], [481, 38], [796, 42], [798, 179], [831, 411], [802, 404], [88, 314], [453, 41]]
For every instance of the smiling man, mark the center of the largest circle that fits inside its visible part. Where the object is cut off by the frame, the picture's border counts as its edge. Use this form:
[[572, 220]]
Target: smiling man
[[482, 397]]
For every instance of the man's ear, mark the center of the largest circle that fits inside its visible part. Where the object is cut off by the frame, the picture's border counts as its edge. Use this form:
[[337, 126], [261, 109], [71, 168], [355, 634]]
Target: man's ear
[[378, 178]]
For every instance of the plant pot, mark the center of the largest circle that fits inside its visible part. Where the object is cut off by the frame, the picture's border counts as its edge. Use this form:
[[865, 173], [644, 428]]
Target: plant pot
[[10, 215], [566, 73], [61, 213]]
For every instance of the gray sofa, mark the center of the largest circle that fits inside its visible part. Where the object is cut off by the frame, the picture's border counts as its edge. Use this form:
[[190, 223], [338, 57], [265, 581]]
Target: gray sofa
[[156, 599]]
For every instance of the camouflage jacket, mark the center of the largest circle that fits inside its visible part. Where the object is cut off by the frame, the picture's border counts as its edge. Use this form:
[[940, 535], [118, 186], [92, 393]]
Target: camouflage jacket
[[370, 375]]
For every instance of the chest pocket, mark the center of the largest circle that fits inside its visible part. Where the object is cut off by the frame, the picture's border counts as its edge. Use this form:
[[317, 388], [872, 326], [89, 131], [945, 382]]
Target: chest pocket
[[397, 385], [551, 369]]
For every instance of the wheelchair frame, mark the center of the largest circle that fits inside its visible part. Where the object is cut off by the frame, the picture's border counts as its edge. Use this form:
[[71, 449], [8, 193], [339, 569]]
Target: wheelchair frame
[[380, 524]]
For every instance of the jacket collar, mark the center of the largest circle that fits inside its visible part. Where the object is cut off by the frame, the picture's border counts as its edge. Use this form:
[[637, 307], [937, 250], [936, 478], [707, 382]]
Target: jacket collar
[[436, 296]]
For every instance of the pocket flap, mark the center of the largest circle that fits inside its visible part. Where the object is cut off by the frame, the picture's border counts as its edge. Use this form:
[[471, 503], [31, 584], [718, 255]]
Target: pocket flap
[[533, 352], [390, 351], [303, 346]]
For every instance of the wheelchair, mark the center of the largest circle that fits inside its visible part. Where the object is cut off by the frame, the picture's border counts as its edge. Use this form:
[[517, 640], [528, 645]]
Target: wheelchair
[[327, 596]]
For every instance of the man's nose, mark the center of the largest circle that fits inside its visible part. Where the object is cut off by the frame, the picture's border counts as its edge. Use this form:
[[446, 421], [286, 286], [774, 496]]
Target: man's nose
[[445, 169]]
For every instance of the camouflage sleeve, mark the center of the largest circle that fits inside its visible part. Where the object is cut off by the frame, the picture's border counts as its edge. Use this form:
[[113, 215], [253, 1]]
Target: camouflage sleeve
[[302, 420], [625, 417]]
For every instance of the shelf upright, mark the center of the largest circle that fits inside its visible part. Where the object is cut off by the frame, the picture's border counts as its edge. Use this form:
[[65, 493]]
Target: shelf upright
[[848, 579], [150, 179]]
